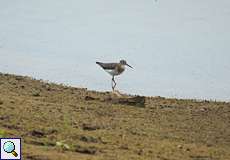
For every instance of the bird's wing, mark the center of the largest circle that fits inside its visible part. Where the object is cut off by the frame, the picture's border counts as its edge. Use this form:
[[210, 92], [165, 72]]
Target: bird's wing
[[107, 65]]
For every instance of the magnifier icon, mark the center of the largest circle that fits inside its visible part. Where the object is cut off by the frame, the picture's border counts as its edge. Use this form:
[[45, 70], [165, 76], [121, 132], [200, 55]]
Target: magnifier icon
[[9, 147]]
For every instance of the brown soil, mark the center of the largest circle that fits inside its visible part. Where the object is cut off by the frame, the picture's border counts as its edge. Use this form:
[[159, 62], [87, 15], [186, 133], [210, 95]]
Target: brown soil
[[60, 122]]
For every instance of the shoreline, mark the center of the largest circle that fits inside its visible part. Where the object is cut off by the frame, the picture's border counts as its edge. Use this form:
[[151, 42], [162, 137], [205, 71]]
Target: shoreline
[[106, 91]]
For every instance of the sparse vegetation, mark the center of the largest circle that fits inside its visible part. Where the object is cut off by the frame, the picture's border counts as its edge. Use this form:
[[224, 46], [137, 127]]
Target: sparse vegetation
[[60, 122], [2, 133]]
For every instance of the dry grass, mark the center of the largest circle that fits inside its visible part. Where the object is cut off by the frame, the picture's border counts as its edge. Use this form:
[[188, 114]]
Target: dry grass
[[66, 123]]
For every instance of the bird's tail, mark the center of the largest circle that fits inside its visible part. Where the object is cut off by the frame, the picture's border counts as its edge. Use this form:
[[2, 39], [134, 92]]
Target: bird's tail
[[98, 63]]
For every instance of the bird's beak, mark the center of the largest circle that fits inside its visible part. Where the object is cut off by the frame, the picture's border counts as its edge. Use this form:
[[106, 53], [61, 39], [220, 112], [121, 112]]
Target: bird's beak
[[129, 66]]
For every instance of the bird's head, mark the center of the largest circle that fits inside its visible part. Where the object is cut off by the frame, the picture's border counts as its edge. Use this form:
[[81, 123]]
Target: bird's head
[[123, 62]]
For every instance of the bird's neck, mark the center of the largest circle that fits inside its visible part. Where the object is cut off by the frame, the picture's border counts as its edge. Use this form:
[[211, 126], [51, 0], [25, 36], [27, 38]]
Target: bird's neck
[[121, 68]]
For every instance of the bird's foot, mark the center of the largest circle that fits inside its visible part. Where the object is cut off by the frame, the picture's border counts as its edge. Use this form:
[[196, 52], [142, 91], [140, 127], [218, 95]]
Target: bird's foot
[[117, 93]]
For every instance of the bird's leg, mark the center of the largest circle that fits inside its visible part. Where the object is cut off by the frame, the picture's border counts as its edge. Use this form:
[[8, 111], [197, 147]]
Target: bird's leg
[[114, 83]]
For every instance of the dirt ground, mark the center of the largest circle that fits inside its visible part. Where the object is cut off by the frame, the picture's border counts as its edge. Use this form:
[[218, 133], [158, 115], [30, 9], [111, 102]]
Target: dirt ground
[[60, 122]]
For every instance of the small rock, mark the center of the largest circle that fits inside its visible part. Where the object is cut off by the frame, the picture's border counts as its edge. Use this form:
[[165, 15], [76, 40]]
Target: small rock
[[12, 101], [203, 109], [47, 87], [150, 151], [4, 117], [140, 152], [40, 143], [63, 145], [179, 146], [18, 78], [37, 133], [11, 126], [90, 127], [66, 146], [138, 101], [1, 102], [88, 139], [89, 98], [86, 150], [22, 86]]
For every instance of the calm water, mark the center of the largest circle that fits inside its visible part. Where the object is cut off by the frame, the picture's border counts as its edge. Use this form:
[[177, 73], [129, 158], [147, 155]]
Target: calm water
[[177, 48]]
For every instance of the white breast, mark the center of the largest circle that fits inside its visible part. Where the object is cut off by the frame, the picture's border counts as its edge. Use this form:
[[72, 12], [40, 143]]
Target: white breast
[[112, 72]]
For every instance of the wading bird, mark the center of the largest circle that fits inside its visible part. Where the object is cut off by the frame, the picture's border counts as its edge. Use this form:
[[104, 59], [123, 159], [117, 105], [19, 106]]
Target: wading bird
[[114, 69]]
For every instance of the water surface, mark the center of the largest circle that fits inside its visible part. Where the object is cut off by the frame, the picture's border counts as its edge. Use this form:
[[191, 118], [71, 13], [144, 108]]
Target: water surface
[[177, 48]]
